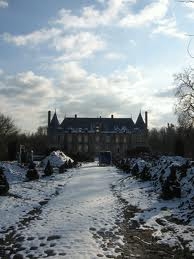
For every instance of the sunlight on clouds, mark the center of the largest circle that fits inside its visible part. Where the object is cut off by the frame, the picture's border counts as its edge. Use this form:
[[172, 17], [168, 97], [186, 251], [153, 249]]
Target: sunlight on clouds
[[3, 3], [33, 38], [124, 77], [150, 14], [76, 90], [122, 93], [26, 94], [78, 46], [91, 17], [169, 27], [189, 7]]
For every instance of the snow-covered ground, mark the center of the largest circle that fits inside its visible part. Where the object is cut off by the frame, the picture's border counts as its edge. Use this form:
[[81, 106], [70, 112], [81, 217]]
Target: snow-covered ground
[[78, 204], [172, 220], [67, 215]]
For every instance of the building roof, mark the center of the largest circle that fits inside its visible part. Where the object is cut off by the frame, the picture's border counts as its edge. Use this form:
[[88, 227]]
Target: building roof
[[104, 124], [140, 124], [93, 124], [54, 122]]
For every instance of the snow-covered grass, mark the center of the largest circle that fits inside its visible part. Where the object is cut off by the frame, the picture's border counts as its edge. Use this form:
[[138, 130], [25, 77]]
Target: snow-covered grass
[[24, 195], [172, 220], [80, 203]]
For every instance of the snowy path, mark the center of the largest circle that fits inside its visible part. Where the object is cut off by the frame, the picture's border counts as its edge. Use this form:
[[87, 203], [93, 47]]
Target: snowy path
[[86, 213], [73, 222]]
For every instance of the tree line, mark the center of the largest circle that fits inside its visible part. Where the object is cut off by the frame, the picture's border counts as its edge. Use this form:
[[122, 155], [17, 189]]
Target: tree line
[[172, 140], [11, 138]]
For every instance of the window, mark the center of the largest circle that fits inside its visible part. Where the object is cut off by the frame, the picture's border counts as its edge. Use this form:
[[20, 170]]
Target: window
[[125, 139], [85, 148], [79, 138], [97, 138], [69, 138], [69, 147], [117, 139], [108, 138], [80, 148], [86, 139]]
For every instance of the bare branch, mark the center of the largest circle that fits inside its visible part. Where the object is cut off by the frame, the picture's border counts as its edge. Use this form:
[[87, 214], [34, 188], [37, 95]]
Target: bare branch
[[188, 48]]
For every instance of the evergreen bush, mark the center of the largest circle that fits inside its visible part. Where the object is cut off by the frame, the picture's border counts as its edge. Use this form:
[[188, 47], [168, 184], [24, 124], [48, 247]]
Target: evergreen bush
[[48, 169]]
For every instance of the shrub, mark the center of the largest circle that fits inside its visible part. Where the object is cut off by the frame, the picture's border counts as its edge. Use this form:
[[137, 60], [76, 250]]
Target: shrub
[[4, 185], [48, 169], [32, 174]]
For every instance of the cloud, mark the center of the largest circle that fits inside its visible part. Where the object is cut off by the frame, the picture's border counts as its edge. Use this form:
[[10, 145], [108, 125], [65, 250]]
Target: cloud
[[91, 17], [90, 94], [168, 93], [133, 43], [72, 46], [149, 14], [27, 86], [34, 38], [24, 95], [169, 28], [3, 4], [78, 46], [114, 56], [122, 93], [189, 7], [76, 91]]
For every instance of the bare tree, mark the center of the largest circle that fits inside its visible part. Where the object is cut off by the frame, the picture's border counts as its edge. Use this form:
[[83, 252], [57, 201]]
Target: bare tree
[[7, 126], [185, 97], [41, 131], [8, 137]]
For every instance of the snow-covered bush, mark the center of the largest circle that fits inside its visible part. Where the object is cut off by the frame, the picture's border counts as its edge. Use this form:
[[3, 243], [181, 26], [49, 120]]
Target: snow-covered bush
[[56, 158], [63, 168], [171, 186], [32, 173], [172, 176]]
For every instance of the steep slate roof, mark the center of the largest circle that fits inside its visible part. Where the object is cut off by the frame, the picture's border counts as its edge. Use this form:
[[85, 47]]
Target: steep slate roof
[[54, 122], [140, 124], [104, 124]]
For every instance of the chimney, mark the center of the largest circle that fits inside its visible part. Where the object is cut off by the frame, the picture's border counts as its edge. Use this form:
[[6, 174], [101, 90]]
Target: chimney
[[49, 118], [146, 119], [112, 116], [75, 116]]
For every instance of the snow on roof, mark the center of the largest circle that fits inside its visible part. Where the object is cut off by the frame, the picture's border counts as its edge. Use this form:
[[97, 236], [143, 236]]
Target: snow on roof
[[56, 158]]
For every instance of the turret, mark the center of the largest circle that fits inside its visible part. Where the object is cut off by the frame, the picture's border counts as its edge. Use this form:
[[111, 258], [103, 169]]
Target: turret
[[54, 122], [49, 118], [140, 124], [146, 119]]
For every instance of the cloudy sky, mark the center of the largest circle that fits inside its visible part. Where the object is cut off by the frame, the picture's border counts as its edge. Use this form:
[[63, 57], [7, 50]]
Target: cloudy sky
[[92, 58]]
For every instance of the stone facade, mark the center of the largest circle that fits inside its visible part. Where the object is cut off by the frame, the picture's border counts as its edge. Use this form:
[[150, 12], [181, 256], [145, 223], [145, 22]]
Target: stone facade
[[91, 135]]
